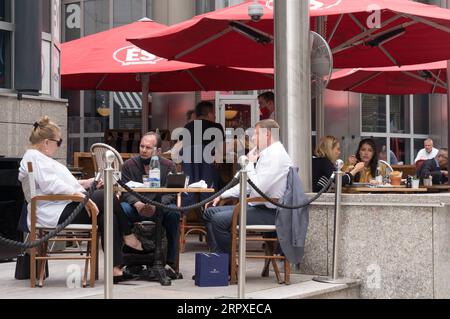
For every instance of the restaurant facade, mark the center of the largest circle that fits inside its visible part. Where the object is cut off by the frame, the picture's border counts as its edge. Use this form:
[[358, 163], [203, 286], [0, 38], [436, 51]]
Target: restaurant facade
[[397, 123]]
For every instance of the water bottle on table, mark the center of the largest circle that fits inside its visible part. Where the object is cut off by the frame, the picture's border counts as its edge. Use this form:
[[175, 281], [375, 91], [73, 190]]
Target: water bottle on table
[[155, 171]]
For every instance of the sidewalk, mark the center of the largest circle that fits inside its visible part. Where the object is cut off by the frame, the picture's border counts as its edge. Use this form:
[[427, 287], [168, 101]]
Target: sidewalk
[[55, 286]]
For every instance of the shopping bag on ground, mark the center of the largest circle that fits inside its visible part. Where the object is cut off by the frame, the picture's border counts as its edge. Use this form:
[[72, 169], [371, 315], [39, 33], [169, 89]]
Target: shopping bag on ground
[[211, 270]]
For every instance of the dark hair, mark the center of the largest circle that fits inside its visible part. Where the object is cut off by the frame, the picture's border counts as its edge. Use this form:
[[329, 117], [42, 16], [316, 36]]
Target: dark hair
[[158, 138], [268, 96], [189, 114], [374, 161], [204, 108]]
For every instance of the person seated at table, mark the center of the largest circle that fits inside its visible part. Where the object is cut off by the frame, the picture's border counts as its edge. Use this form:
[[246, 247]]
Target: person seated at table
[[437, 168], [327, 152], [382, 155], [52, 177], [269, 175], [367, 154], [133, 169]]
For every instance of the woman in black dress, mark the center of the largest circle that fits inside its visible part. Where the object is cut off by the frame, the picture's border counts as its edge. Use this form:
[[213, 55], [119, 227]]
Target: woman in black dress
[[327, 152]]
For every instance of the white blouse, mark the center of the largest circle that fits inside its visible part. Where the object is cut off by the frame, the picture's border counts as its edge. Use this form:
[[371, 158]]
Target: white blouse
[[51, 177]]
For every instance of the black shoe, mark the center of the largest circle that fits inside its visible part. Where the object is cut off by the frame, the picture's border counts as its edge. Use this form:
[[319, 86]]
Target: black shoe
[[130, 250], [124, 277]]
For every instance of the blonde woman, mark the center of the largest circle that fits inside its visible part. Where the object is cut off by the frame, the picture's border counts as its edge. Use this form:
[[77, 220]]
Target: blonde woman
[[51, 177], [327, 152]]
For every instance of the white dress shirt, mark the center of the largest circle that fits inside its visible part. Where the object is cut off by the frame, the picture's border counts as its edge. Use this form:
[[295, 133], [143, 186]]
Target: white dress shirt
[[269, 175], [424, 155], [51, 177]]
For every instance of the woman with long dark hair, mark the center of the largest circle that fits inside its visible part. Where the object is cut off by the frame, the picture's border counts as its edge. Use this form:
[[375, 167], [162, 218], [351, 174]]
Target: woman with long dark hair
[[367, 154]]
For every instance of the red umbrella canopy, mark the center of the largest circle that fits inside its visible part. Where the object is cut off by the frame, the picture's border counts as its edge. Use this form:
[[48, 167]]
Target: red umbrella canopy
[[362, 33], [106, 61], [410, 79]]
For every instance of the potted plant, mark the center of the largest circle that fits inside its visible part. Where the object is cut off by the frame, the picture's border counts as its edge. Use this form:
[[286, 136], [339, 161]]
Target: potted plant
[[414, 181]]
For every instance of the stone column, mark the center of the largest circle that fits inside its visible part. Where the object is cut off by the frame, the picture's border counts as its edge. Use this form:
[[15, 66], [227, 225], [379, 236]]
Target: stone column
[[292, 82]]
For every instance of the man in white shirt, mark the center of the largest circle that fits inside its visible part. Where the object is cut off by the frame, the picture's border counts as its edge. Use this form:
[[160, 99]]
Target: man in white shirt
[[428, 152], [269, 175]]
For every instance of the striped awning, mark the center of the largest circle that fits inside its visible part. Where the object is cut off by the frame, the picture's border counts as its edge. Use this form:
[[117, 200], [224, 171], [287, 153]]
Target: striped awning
[[129, 102]]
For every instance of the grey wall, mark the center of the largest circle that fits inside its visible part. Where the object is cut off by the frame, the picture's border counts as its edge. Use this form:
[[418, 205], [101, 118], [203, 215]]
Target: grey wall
[[18, 118]]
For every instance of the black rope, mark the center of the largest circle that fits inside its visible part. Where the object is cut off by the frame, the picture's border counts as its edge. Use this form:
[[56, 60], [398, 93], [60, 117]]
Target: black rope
[[145, 200], [58, 228], [270, 200]]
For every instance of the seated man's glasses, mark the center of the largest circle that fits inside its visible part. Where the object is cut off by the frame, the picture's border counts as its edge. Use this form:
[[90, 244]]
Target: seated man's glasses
[[58, 142]]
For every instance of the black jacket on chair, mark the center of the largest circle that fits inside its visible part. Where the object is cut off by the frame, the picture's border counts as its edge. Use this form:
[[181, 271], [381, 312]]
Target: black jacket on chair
[[431, 167]]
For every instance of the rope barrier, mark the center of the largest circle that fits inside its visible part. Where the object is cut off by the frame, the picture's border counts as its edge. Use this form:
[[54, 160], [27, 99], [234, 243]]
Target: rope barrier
[[58, 228], [145, 200], [270, 200]]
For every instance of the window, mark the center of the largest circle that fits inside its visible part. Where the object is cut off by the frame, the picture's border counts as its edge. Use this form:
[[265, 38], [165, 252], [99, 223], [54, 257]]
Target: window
[[46, 16], [5, 10], [96, 16], [96, 111], [399, 114], [126, 11], [421, 114], [5, 59], [397, 123], [203, 6]]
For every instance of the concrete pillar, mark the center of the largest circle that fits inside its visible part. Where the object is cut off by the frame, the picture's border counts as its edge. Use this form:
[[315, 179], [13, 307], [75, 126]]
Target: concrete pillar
[[171, 12], [292, 82]]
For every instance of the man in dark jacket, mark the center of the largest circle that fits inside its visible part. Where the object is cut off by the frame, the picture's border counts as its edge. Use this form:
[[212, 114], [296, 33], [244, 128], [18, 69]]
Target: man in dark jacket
[[133, 170], [436, 167]]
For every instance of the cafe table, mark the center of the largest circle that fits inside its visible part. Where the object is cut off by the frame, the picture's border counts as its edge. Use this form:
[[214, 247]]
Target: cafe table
[[383, 189], [438, 188]]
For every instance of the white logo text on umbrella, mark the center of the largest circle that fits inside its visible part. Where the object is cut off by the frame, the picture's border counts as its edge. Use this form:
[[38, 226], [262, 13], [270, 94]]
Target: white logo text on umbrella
[[132, 55]]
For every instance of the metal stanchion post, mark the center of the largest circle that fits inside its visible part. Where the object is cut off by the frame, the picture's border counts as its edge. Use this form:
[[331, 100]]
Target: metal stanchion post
[[108, 226], [337, 214], [243, 161]]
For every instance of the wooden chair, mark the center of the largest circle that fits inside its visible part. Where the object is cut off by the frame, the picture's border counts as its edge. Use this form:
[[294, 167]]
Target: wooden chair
[[196, 226], [256, 233], [188, 227], [74, 233], [98, 151]]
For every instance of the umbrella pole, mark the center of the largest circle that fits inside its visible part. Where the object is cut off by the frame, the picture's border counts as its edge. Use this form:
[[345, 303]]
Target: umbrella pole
[[145, 80], [448, 106]]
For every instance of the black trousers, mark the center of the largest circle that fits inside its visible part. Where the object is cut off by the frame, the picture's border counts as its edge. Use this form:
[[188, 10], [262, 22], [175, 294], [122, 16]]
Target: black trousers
[[120, 222]]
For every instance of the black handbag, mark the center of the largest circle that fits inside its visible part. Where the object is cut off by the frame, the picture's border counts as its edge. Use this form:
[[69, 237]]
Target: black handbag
[[23, 267]]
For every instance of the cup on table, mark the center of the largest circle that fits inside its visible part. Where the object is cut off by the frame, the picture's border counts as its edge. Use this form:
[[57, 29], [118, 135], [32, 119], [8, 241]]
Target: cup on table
[[146, 181], [427, 182], [415, 183], [379, 179], [396, 178]]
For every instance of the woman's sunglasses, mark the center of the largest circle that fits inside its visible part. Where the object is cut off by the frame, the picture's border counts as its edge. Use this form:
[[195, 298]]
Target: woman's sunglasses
[[58, 142]]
